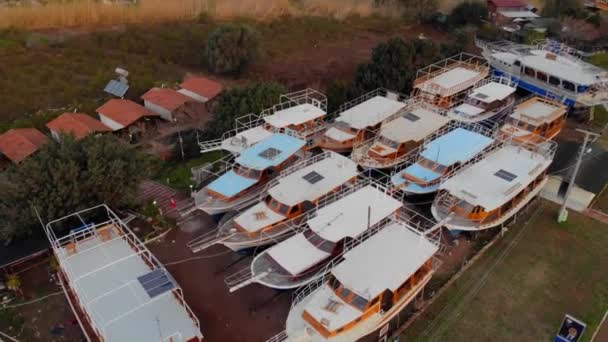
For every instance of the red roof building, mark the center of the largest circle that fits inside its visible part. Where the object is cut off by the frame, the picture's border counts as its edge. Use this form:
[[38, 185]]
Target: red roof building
[[164, 101], [18, 144], [200, 88], [503, 11], [77, 124], [118, 114]]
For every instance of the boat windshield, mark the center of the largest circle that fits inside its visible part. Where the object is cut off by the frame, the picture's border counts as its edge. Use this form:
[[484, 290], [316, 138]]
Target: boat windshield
[[276, 206], [388, 142], [247, 172], [347, 295], [521, 124], [431, 165], [319, 242]]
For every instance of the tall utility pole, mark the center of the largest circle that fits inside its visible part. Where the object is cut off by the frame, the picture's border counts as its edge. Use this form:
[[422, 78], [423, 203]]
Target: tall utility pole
[[563, 214]]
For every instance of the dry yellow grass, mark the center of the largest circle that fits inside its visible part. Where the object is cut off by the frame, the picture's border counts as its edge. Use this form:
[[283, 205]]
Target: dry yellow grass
[[89, 13]]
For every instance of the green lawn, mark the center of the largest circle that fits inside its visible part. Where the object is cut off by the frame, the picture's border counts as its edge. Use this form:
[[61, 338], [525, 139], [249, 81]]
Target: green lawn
[[600, 59], [178, 175], [553, 270]]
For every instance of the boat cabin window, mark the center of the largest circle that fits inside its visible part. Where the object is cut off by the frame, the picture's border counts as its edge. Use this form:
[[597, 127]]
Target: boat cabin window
[[530, 72], [554, 80], [568, 86], [431, 165], [276, 206], [334, 283], [359, 302], [319, 242], [517, 63], [247, 172], [388, 142], [345, 293], [541, 76]]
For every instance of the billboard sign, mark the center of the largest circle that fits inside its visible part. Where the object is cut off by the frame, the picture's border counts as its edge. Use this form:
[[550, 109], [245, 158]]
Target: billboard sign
[[571, 330]]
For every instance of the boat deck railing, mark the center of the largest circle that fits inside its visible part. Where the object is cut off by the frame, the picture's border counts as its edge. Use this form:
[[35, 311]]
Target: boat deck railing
[[308, 95], [382, 92]]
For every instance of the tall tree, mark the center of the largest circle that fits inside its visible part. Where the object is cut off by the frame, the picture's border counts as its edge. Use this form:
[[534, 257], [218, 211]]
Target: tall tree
[[231, 47], [69, 176]]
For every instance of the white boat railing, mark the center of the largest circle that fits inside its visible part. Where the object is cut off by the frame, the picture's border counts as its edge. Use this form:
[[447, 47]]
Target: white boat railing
[[280, 337], [382, 92]]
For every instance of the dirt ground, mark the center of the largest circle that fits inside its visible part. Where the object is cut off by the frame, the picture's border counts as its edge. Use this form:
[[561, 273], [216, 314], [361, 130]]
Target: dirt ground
[[325, 62], [253, 313]]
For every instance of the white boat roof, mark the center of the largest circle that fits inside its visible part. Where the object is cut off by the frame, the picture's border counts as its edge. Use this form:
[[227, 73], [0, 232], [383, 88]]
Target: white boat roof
[[295, 115], [467, 109], [246, 138], [417, 127], [495, 179], [492, 91], [449, 79], [572, 70], [348, 216], [297, 254], [384, 261], [338, 134], [518, 14], [104, 276], [327, 174], [537, 111], [258, 217], [370, 112]]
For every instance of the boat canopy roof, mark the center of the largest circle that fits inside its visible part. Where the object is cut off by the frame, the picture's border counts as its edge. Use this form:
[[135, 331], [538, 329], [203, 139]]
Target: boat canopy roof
[[467, 109], [297, 254], [384, 261], [537, 111], [492, 91], [415, 125], [370, 112], [295, 115], [315, 180], [458, 145], [230, 184], [498, 177], [270, 152], [449, 79], [348, 217]]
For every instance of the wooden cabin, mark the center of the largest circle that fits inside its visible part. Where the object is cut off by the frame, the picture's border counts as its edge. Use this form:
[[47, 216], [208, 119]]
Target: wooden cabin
[[535, 120]]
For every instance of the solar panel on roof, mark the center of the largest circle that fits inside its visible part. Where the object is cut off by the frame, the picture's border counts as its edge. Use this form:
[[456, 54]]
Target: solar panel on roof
[[481, 96], [506, 175], [270, 153], [312, 177], [411, 116], [116, 88], [156, 282]]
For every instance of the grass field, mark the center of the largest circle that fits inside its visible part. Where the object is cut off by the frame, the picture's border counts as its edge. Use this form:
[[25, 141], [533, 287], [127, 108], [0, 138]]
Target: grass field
[[552, 270]]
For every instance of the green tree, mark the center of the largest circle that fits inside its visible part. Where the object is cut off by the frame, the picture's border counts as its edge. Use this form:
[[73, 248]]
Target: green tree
[[394, 65], [420, 10], [468, 13], [63, 178], [231, 47], [239, 101], [561, 8]]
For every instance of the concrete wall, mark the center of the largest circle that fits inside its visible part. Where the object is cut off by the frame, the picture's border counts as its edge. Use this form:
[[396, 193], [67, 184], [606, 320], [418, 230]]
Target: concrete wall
[[192, 95], [115, 126], [163, 112]]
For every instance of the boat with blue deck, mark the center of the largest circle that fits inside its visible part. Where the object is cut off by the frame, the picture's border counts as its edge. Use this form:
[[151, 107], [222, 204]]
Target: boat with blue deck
[[549, 69], [440, 158], [249, 173]]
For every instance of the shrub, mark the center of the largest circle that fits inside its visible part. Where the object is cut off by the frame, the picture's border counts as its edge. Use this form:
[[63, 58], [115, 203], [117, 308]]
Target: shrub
[[468, 13], [240, 101], [231, 47]]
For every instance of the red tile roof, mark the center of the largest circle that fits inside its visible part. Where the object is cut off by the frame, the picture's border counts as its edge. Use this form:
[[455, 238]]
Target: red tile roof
[[508, 3], [78, 124], [124, 112], [18, 144], [202, 86], [166, 98]]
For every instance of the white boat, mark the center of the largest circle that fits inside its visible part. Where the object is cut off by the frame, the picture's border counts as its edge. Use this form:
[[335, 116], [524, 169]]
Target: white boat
[[116, 287], [446, 82], [401, 135], [492, 100], [300, 114], [489, 192], [549, 69], [358, 120], [283, 204], [535, 119], [354, 214], [247, 176], [454, 147], [374, 283]]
